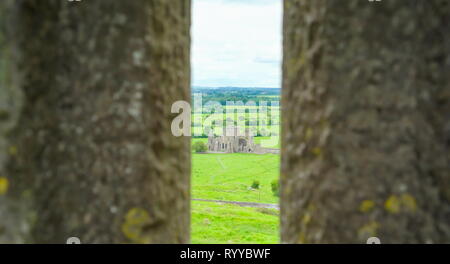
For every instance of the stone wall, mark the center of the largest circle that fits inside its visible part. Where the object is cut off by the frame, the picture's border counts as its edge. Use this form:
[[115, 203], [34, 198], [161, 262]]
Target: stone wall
[[364, 151]]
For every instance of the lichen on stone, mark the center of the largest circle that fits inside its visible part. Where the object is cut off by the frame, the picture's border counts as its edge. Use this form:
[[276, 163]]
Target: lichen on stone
[[368, 230], [392, 204], [403, 203]]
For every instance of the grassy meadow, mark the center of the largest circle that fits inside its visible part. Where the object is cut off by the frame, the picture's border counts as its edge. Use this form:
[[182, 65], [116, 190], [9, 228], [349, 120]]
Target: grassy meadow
[[229, 177]]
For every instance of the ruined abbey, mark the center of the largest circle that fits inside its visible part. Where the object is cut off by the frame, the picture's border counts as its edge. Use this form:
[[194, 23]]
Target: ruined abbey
[[232, 141]]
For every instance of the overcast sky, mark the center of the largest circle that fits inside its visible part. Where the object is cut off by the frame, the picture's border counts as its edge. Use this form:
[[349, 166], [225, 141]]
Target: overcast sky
[[236, 43]]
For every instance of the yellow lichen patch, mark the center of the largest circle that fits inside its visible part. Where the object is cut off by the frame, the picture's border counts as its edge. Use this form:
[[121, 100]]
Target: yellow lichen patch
[[135, 222], [317, 151], [308, 133], [12, 150], [408, 202], [4, 185], [366, 206], [306, 219], [392, 205], [368, 230]]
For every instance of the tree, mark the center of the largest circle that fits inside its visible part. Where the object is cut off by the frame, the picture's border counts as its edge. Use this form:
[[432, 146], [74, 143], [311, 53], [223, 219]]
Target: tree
[[365, 104], [92, 155], [199, 146]]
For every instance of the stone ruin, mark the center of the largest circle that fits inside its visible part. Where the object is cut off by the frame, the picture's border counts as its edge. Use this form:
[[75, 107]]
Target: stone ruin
[[233, 141]]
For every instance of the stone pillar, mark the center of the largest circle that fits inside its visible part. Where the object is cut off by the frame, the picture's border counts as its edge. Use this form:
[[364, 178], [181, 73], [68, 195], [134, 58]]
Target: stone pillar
[[363, 145], [93, 152]]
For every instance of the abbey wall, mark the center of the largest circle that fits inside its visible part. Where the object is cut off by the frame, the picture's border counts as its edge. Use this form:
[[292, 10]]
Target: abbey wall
[[232, 141]]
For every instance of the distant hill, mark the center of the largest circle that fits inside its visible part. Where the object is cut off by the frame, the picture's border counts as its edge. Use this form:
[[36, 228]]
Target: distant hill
[[245, 94], [230, 88]]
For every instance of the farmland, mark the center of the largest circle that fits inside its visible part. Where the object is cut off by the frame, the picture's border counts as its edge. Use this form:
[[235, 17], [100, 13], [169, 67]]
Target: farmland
[[229, 177], [257, 110]]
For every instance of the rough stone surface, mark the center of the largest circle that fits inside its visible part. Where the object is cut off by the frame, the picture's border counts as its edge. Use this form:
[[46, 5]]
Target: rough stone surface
[[232, 140], [365, 121], [13, 224], [92, 151]]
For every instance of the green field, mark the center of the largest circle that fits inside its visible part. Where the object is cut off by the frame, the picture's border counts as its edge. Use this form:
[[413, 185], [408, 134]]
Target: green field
[[230, 224], [229, 177]]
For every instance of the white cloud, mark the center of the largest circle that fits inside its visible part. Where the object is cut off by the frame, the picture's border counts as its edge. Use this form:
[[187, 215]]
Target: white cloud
[[237, 43]]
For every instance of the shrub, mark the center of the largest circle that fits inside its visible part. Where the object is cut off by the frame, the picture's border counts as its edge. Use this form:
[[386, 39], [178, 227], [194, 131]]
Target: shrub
[[276, 188], [199, 146], [255, 184]]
